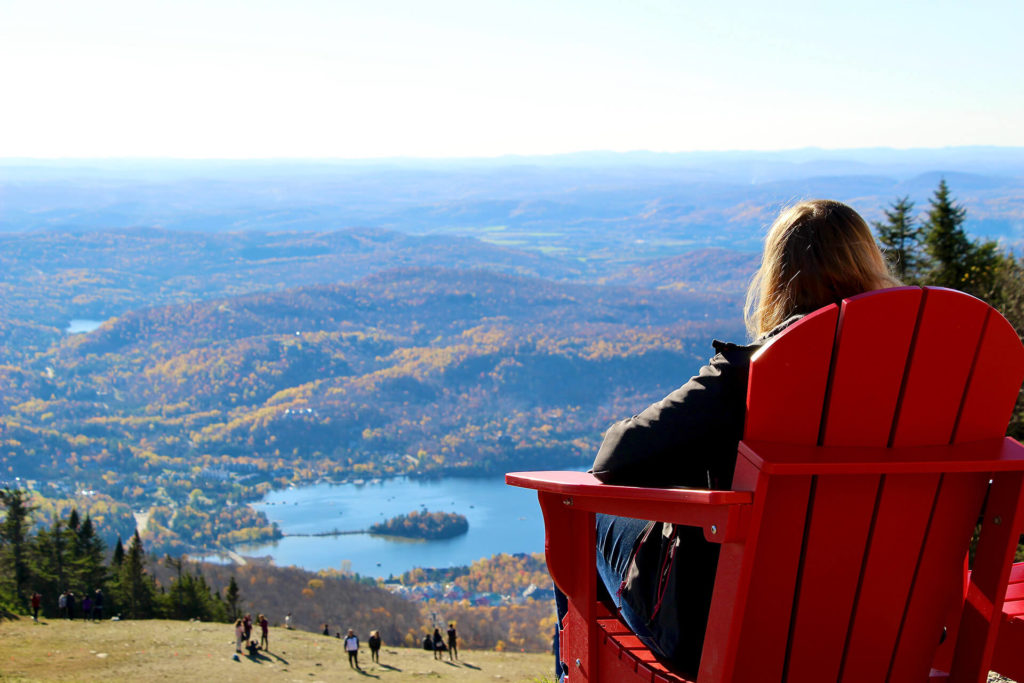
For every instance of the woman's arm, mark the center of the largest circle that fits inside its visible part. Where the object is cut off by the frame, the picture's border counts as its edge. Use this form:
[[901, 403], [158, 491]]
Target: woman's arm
[[689, 438]]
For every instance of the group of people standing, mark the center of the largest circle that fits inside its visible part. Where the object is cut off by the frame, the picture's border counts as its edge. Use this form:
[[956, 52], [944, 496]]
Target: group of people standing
[[436, 643], [243, 633], [91, 605]]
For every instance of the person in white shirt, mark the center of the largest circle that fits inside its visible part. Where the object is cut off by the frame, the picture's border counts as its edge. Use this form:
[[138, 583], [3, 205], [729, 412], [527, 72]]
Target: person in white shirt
[[352, 648]]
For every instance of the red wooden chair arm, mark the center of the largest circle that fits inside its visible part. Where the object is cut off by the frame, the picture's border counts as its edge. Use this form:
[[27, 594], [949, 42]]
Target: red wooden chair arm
[[722, 514]]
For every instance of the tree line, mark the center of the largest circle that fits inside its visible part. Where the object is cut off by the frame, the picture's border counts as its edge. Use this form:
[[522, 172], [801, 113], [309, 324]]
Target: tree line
[[69, 555]]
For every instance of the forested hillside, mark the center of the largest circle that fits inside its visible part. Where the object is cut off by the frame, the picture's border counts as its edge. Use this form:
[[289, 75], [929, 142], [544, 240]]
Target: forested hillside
[[191, 409]]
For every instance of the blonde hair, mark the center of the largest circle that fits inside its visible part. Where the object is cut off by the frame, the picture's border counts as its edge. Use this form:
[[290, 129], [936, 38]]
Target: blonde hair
[[816, 253]]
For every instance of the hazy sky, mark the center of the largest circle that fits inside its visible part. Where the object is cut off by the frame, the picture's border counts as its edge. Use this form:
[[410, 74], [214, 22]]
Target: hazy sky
[[373, 78]]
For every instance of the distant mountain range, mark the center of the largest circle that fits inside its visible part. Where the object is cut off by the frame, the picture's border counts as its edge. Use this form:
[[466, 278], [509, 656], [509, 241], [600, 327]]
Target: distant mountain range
[[596, 207]]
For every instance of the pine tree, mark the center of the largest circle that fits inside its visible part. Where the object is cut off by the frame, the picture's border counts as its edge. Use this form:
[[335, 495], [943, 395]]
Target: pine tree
[[955, 260], [231, 598], [14, 543], [89, 568], [948, 245], [901, 239], [118, 558], [51, 564], [137, 591]]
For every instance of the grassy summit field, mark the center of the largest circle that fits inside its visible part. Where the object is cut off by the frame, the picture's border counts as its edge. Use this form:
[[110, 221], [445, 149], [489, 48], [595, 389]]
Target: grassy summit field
[[172, 650]]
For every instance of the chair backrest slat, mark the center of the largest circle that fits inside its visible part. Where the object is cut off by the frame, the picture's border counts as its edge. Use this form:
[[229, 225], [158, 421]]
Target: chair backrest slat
[[870, 363], [944, 351], [903, 513], [778, 407], [990, 398]]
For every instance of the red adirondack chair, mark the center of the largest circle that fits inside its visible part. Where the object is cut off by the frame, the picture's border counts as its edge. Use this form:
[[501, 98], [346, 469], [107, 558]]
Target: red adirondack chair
[[873, 441]]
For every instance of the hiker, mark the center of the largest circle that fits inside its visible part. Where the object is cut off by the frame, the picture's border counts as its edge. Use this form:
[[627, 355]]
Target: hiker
[[247, 626], [62, 604], [438, 644], [816, 253], [71, 606], [374, 642], [97, 606], [239, 635], [428, 643], [327, 630], [87, 607], [264, 632], [288, 621], [453, 643], [37, 599], [352, 648]]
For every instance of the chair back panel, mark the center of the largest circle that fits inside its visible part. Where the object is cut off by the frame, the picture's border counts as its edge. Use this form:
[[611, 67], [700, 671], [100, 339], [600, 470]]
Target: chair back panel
[[884, 369]]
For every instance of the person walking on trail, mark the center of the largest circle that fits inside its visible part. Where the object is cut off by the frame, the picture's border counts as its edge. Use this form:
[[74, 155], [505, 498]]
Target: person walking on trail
[[453, 643], [352, 648], [264, 633], [374, 642], [239, 635], [37, 599], [438, 645]]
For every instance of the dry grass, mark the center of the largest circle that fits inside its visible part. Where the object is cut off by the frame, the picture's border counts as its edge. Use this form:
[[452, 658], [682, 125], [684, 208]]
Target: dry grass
[[199, 652]]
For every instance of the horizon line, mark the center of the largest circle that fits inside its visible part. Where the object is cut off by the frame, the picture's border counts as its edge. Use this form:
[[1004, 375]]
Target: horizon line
[[506, 156]]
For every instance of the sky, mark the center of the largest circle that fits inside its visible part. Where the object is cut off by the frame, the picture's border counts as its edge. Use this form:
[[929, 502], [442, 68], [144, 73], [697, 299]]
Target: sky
[[475, 78]]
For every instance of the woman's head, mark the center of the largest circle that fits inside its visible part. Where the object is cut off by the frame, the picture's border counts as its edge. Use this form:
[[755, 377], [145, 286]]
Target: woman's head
[[816, 253]]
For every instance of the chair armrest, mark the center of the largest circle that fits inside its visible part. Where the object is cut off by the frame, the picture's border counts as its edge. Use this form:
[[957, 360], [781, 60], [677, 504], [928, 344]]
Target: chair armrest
[[722, 514]]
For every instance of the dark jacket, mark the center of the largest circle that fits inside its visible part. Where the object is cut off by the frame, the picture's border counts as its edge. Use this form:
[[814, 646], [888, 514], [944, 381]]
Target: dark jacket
[[689, 438]]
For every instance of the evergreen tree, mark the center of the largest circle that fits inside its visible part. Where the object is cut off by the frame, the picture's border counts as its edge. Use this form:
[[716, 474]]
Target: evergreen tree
[[901, 239], [136, 588], [51, 563], [118, 558], [73, 520], [947, 244], [14, 544], [231, 598], [90, 572], [955, 260], [190, 597]]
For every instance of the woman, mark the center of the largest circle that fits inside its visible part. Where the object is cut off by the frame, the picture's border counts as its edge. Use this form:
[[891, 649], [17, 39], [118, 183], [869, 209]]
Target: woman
[[438, 645], [374, 642], [239, 634], [816, 253]]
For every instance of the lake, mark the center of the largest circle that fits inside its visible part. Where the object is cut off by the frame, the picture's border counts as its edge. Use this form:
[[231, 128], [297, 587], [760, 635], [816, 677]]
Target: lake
[[82, 326], [502, 519]]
